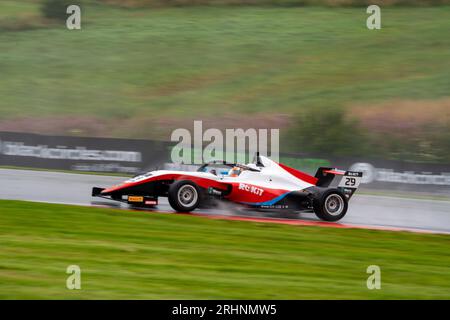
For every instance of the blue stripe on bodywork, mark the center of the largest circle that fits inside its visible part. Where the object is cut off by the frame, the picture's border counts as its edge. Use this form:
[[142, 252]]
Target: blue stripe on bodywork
[[270, 202]]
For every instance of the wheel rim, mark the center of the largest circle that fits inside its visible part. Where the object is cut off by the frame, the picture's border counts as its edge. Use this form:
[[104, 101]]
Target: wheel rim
[[334, 204], [187, 195]]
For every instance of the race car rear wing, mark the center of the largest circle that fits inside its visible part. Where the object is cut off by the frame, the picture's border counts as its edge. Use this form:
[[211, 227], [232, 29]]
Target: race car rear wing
[[325, 176], [348, 184]]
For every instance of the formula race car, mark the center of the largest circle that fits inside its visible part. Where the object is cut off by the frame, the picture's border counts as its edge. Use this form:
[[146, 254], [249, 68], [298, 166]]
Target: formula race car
[[263, 184]]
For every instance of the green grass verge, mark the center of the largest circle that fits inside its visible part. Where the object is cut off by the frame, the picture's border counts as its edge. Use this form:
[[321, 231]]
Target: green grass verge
[[126, 254], [173, 63]]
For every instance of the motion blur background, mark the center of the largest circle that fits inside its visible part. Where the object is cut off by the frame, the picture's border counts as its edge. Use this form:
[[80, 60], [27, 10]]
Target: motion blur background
[[140, 69], [340, 93]]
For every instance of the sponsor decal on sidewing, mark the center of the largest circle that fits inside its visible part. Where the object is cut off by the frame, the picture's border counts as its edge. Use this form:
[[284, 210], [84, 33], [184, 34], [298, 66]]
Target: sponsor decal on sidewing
[[252, 189]]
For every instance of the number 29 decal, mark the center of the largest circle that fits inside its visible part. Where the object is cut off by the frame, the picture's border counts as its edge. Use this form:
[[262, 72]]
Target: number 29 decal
[[350, 181]]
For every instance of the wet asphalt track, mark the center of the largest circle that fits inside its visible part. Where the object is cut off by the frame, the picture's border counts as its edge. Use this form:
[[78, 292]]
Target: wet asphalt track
[[364, 210]]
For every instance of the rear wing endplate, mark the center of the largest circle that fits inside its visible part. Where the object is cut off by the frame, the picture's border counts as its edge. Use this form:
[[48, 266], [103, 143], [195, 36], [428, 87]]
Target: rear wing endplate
[[348, 184]]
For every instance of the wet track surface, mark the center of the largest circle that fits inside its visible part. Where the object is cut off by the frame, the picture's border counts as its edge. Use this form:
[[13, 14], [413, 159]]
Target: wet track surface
[[364, 210]]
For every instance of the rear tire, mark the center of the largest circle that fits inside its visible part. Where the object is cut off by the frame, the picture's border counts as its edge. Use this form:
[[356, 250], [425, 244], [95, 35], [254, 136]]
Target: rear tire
[[330, 205], [184, 196]]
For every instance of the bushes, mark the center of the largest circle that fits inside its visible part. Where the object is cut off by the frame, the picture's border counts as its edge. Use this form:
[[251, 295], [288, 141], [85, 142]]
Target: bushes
[[21, 24], [329, 132], [56, 9], [430, 144], [334, 134]]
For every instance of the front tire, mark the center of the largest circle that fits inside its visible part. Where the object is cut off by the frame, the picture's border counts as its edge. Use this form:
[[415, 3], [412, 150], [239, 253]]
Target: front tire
[[184, 196], [331, 205]]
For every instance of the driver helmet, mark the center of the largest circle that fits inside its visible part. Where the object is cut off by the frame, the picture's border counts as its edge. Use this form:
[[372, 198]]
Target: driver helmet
[[234, 172]]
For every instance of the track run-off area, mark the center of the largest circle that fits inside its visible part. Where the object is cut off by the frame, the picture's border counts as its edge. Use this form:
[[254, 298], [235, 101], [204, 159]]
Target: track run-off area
[[365, 211]]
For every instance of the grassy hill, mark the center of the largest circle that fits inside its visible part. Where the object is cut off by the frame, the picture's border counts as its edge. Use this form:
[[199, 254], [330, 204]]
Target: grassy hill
[[138, 255], [143, 72]]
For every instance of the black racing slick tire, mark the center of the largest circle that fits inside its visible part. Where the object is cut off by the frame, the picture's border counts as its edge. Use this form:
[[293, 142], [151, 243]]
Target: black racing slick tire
[[330, 205], [184, 196]]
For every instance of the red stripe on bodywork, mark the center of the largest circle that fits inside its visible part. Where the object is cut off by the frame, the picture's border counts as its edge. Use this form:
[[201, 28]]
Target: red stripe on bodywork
[[300, 175], [337, 172]]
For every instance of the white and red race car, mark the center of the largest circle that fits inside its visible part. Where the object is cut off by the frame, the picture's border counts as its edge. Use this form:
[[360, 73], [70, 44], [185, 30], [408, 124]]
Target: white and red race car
[[263, 184]]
